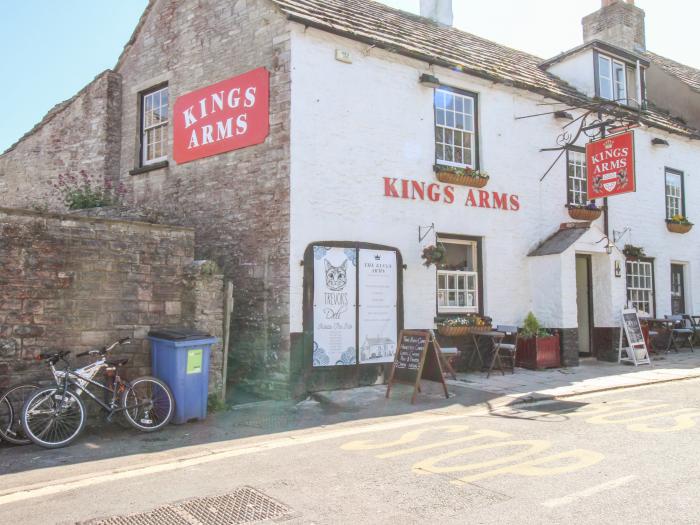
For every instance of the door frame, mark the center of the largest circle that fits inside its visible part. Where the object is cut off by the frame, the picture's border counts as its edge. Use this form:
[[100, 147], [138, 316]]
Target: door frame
[[591, 321], [684, 288]]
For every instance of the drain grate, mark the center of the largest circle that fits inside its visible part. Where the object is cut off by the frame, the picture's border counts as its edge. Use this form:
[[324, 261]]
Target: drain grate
[[244, 505]]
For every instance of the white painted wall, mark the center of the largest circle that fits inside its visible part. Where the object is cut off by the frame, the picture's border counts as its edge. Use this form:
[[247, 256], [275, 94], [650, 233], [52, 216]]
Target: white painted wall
[[577, 70], [353, 124]]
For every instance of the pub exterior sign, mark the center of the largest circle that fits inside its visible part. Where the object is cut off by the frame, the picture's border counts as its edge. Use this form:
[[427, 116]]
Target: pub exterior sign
[[610, 165], [225, 116]]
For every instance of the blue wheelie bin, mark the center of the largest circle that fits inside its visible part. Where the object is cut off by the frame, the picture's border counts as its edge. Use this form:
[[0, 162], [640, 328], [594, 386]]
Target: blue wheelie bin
[[180, 357]]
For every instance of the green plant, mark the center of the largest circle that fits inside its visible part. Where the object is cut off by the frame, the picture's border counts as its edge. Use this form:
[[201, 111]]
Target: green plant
[[463, 172], [433, 255], [215, 404], [533, 328], [467, 320], [679, 219], [633, 251], [84, 191]]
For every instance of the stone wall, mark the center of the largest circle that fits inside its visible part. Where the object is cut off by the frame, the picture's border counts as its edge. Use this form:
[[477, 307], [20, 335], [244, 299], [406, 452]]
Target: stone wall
[[79, 283], [237, 202], [81, 133]]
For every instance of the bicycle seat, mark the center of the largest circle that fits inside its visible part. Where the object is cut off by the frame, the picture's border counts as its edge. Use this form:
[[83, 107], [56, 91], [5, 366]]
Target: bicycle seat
[[117, 361]]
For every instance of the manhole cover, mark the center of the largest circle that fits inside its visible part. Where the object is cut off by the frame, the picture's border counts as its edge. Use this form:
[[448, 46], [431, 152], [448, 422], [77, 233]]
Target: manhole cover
[[244, 505]]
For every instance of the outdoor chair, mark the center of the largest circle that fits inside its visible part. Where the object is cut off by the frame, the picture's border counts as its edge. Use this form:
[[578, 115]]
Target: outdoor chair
[[505, 351], [681, 331], [691, 323]]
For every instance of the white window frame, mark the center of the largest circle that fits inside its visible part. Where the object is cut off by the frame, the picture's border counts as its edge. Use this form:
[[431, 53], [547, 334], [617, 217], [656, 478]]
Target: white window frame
[[576, 182], [161, 127], [447, 309], [450, 122], [674, 196], [607, 68], [640, 285]]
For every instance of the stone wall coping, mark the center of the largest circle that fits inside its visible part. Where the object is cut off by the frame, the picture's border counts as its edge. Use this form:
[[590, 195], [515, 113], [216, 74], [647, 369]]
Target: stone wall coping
[[78, 218]]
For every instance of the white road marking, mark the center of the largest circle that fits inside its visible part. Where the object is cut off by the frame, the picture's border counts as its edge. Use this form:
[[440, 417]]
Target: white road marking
[[207, 455], [588, 492]]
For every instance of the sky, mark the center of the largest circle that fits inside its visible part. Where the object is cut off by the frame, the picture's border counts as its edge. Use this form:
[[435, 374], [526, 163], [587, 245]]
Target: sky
[[51, 49]]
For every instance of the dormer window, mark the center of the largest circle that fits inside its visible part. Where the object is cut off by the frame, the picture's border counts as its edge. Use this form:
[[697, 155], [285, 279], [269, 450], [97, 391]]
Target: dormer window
[[618, 79], [612, 79]]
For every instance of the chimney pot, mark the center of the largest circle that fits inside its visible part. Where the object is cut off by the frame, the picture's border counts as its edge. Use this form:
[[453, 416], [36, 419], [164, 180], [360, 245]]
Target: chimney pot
[[439, 11]]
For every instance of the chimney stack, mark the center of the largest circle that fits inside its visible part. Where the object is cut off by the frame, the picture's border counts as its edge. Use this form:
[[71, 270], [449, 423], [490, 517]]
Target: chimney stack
[[439, 11], [617, 22]]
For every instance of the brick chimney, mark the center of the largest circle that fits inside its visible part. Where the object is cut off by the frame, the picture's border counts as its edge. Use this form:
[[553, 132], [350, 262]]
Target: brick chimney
[[617, 22], [439, 11]]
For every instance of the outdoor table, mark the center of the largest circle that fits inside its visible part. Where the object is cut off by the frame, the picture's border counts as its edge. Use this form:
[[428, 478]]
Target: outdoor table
[[667, 325], [496, 338]]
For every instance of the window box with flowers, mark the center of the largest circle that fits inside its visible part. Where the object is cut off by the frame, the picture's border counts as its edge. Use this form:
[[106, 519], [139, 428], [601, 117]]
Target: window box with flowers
[[586, 212], [464, 325], [461, 176], [538, 347], [679, 224]]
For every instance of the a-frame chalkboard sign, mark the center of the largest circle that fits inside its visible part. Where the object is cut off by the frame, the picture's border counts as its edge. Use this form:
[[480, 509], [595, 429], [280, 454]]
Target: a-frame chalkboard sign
[[635, 351], [417, 357]]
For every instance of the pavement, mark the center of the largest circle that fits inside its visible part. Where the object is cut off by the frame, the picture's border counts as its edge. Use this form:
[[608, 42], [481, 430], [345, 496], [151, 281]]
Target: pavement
[[111, 452]]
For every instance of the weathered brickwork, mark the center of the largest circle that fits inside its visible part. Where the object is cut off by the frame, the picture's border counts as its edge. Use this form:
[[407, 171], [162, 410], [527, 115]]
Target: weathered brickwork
[[79, 134], [237, 202], [79, 283]]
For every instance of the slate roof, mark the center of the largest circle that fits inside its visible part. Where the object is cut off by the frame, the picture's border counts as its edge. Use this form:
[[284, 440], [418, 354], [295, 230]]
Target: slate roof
[[686, 74], [561, 239], [418, 37]]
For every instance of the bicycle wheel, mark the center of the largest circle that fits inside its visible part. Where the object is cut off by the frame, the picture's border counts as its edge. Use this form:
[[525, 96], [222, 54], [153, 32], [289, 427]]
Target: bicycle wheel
[[51, 419], [11, 404], [148, 404]]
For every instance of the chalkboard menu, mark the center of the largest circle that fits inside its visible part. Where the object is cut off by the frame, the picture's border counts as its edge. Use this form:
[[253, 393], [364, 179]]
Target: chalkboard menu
[[633, 329], [417, 357]]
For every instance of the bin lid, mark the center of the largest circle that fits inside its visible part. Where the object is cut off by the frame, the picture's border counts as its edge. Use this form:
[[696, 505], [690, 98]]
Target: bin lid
[[178, 334]]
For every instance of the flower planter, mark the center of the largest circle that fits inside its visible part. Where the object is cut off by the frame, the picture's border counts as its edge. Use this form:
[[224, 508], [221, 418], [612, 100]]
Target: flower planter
[[461, 331], [676, 227], [538, 352], [449, 177], [584, 214]]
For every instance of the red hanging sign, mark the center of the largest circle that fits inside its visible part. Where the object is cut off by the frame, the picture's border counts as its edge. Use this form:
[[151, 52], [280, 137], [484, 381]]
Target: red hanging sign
[[225, 116], [610, 165]]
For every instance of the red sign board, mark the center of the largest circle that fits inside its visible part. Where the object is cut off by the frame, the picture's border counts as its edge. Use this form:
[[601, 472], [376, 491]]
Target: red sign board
[[225, 116], [610, 165]]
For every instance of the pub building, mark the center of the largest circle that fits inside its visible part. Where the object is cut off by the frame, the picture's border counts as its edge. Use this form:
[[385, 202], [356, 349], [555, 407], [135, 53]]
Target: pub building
[[319, 147]]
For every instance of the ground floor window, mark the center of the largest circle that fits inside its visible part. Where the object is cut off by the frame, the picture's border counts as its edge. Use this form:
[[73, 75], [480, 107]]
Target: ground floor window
[[640, 286], [458, 277]]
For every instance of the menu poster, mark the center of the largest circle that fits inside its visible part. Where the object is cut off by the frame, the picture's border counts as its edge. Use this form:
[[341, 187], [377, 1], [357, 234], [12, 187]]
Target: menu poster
[[377, 311], [335, 271]]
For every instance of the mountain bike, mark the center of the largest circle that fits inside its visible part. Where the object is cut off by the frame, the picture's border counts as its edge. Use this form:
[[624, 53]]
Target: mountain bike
[[54, 416], [11, 403]]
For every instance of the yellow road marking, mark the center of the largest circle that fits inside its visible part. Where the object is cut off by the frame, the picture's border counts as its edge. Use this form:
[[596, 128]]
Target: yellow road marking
[[566, 500]]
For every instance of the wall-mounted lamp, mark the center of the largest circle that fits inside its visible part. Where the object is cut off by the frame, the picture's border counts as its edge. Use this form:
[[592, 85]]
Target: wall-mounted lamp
[[609, 247], [618, 268], [563, 115], [429, 80], [660, 143]]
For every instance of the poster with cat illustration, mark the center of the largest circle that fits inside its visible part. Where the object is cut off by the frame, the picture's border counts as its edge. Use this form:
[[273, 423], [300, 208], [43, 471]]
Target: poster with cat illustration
[[377, 312], [335, 302]]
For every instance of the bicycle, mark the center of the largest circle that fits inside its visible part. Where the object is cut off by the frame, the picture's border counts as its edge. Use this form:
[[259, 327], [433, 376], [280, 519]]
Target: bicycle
[[11, 403], [54, 417]]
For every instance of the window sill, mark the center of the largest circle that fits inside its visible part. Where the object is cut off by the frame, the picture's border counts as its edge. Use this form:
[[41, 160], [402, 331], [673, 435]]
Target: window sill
[[150, 167]]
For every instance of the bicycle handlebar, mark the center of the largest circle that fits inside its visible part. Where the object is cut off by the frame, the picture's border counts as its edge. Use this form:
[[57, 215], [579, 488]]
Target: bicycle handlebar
[[104, 350]]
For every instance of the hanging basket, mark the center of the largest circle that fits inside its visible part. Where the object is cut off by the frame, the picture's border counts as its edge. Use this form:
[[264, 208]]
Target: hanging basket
[[676, 227], [450, 177], [584, 214]]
